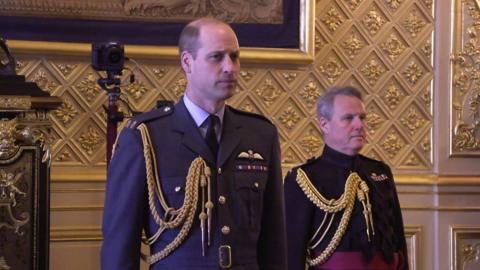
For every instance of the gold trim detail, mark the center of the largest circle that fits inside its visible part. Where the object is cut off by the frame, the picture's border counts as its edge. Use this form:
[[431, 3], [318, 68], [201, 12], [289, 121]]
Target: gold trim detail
[[302, 55], [75, 234], [15, 102], [355, 187]]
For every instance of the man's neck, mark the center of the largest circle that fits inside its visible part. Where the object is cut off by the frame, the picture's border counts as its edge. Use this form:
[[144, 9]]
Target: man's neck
[[209, 106]]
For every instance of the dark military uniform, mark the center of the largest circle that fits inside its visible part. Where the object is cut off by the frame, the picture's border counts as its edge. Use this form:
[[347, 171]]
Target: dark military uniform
[[328, 173], [248, 214]]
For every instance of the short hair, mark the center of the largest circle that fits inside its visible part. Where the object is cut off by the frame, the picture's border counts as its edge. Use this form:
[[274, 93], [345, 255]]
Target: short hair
[[189, 37], [325, 103]]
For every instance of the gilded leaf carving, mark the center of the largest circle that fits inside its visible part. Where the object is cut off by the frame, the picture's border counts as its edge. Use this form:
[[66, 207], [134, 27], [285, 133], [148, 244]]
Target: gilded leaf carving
[[310, 93], [66, 112], [373, 21], [268, 92], [247, 75], [159, 72], [332, 69], [64, 156], [372, 71], [178, 87], [289, 117], [392, 96], [91, 140], [392, 144], [289, 76], [373, 122], [311, 143], [333, 19], [413, 121], [88, 86], [470, 252], [394, 46], [414, 24], [66, 69], [353, 4], [394, 4], [136, 89], [352, 45], [45, 81]]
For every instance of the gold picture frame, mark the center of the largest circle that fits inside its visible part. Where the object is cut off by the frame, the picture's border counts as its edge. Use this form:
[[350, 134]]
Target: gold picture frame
[[304, 54]]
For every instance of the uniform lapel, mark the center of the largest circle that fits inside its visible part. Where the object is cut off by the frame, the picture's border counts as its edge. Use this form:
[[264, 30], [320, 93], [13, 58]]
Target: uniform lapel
[[191, 136], [231, 136]]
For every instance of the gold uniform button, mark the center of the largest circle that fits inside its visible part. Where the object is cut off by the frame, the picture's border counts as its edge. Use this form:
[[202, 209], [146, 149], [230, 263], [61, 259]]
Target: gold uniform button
[[177, 189], [256, 184], [225, 230], [222, 200]]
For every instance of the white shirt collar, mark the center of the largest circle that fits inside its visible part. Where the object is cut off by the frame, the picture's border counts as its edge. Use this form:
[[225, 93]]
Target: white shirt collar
[[198, 114]]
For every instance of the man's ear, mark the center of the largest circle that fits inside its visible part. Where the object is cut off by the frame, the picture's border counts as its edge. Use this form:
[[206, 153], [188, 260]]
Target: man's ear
[[323, 123], [186, 61]]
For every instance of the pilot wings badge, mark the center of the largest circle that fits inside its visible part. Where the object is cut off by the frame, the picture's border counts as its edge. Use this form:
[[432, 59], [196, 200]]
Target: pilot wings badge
[[250, 155]]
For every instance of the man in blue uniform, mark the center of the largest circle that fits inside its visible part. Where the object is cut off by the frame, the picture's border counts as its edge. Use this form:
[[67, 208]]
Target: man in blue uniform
[[203, 180], [342, 208]]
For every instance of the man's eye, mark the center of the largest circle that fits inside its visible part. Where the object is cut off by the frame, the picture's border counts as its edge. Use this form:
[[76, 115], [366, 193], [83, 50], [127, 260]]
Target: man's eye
[[216, 57], [234, 56]]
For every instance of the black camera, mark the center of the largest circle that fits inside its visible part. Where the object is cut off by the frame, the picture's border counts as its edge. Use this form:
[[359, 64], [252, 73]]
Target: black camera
[[108, 57]]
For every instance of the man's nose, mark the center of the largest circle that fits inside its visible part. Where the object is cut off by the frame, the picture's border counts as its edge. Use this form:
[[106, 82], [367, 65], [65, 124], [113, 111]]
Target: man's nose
[[229, 64], [358, 122]]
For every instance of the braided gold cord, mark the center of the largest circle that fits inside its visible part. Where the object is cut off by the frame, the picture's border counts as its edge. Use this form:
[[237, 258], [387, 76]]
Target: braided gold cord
[[345, 203], [186, 213]]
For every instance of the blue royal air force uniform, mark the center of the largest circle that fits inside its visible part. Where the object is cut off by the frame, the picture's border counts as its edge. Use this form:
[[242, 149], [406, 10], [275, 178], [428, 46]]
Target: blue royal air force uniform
[[248, 230]]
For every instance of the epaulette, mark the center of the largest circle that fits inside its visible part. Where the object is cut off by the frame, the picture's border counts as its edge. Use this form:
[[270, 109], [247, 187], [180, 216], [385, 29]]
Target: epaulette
[[259, 116], [159, 112]]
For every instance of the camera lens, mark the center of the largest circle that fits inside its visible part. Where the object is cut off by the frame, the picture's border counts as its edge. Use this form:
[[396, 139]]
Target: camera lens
[[115, 55]]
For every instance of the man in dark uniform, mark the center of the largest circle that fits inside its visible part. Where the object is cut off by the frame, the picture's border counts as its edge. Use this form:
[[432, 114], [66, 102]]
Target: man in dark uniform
[[203, 180], [342, 208]]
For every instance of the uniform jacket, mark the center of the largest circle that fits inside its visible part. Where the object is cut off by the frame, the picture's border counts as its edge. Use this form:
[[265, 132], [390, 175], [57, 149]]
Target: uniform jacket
[[329, 173], [253, 210]]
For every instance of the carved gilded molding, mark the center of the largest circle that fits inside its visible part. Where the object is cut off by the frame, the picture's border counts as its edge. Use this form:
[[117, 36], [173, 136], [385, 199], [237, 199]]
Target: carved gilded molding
[[252, 11], [304, 54], [465, 247], [465, 68], [413, 235], [15, 102]]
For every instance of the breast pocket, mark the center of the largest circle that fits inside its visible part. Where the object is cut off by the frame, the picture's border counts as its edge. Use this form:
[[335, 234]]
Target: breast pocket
[[249, 188], [173, 190]]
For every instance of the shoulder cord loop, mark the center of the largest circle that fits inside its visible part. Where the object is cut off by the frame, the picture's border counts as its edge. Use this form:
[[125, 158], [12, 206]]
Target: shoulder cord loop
[[198, 174], [355, 187]]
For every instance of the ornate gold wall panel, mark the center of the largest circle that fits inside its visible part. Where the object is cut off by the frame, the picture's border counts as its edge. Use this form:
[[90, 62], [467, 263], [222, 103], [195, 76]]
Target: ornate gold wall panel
[[383, 47], [465, 242], [465, 91]]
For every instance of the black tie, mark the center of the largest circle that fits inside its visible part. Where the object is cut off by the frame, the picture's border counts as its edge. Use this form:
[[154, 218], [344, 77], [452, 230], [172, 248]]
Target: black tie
[[211, 136]]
